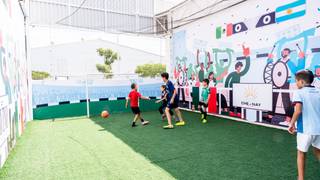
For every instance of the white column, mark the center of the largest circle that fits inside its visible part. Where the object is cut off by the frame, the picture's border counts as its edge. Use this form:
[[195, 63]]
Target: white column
[[87, 97]]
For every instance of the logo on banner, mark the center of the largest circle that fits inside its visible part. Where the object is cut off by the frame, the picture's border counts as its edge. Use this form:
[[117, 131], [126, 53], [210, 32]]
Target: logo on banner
[[250, 92]]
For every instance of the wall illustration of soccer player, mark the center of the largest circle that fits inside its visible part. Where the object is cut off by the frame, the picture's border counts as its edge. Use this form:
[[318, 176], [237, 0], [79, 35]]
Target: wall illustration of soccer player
[[235, 77], [222, 65], [15, 105], [283, 38]]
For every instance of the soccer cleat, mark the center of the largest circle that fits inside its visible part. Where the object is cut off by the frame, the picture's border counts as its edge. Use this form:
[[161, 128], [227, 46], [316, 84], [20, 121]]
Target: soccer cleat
[[145, 123], [204, 121], [134, 125], [180, 123], [168, 127]]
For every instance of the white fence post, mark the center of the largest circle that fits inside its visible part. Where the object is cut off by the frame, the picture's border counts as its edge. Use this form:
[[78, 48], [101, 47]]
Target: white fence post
[[87, 97], [219, 101]]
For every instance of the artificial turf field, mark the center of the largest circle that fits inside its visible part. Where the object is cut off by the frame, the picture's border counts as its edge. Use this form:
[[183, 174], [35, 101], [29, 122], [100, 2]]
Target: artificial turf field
[[96, 148]]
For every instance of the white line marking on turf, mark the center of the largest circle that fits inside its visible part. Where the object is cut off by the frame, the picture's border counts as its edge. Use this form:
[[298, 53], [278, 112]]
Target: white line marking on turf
[[239, 120]]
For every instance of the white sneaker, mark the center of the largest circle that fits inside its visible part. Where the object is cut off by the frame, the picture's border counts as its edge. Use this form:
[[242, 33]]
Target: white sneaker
[[284, 123], [145, 122]]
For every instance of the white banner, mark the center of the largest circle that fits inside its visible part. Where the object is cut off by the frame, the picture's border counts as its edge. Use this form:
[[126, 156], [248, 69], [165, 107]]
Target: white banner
[[253, 96]]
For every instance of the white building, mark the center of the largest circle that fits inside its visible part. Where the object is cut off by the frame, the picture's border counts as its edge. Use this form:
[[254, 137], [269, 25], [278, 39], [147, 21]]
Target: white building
[[80, 58], [65, 23]]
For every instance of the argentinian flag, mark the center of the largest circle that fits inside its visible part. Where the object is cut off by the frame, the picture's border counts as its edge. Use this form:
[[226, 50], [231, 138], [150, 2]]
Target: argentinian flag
[[291, 11]]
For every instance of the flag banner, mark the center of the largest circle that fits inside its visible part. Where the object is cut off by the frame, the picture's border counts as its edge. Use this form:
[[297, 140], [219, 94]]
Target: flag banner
[[266, 19], [291, 11], [239, 27]]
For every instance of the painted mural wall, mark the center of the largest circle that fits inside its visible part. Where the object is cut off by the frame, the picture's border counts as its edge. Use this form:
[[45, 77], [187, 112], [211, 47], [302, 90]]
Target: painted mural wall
[[15, 108], [260, 41]]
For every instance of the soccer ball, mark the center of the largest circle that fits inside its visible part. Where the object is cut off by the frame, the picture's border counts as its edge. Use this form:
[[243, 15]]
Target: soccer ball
[[105, 114]]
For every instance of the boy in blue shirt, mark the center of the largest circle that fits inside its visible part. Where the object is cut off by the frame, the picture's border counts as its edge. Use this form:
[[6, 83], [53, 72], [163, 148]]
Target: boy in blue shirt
[[307, 115], [173, 100]]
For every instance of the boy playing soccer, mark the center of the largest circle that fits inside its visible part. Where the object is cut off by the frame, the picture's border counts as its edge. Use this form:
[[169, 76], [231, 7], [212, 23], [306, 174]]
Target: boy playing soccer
[[203, 104], [134, 97], [307, 116], [164, 102], [173, 101]]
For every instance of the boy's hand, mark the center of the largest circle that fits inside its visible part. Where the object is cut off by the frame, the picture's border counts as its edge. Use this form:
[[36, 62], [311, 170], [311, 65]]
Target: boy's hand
[[292, 129], [171, 101]]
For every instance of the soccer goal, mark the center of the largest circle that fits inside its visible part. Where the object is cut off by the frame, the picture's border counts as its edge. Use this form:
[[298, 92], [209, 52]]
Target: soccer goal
[[109, 91]]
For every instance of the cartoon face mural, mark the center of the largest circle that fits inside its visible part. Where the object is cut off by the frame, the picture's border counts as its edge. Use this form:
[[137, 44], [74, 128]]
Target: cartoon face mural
[[281, 40], [181, 71]]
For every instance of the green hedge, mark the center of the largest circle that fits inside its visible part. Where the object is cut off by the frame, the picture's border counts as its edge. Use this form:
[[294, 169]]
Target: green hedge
[[39, 75]]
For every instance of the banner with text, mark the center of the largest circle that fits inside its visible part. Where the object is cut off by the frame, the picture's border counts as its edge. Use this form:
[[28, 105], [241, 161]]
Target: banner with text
[[253, 96]]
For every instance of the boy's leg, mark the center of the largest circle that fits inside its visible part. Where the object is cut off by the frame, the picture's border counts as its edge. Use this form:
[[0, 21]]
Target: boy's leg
[[171, 112], [303, 143], [205, 111], [143, 122], [204, 120], [136, 116], [169, 126], [161, 110], [178, 113], [317, 153], [301, 164], [173, 116], [316, 147], [201, 107]]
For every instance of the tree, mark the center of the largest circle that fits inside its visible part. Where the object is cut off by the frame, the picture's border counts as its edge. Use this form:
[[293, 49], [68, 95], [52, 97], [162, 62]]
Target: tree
[[109, 57], [39, 75], [150, 70]]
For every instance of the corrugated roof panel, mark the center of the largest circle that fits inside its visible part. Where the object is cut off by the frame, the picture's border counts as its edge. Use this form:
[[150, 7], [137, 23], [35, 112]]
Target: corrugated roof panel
[[122, 15]]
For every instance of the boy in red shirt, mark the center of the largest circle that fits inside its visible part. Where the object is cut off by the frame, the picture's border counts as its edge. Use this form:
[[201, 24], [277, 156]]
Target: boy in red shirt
[[134, 97]]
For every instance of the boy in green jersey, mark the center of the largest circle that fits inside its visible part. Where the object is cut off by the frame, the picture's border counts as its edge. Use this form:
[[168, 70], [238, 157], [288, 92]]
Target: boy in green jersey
[[203, 104]]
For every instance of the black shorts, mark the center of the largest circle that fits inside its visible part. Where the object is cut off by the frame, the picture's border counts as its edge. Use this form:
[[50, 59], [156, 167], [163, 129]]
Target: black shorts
[[203, 104], [135, 110], [174, 105]]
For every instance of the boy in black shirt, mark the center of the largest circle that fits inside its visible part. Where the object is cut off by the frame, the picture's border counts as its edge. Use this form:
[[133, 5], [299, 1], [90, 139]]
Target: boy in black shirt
[[164, 101]]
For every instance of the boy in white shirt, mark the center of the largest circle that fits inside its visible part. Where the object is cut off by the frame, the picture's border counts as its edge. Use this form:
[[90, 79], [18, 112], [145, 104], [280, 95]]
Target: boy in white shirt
[[307, 115]]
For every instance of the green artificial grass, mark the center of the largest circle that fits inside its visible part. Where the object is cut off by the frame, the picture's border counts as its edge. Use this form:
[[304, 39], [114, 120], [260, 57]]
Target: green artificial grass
[[99, 148]]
